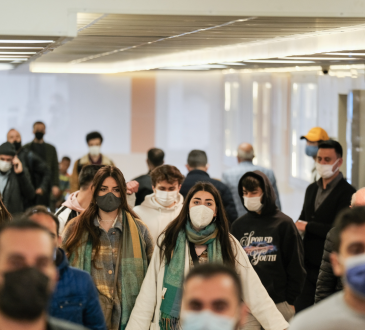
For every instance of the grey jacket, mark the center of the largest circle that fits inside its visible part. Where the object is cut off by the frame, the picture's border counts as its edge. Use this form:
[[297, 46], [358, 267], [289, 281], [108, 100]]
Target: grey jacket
[[56, 324]]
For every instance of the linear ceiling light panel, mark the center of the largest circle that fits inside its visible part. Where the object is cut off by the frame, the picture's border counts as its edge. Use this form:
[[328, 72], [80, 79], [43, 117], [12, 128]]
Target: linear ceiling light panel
[[347, 54], [322, 58], [16, 47], [26, 41], [278, 61], [18, 53]]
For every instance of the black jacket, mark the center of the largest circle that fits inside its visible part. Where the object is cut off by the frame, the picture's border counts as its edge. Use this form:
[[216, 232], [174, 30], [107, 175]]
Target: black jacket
[[144, 189], [321, 221], [273, 245], [50, 159], [327, 283], [18, 192], [196, 176], [39, 173]]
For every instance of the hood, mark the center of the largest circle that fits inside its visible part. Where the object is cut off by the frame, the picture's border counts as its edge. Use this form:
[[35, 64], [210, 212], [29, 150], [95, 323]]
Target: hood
[[269, 198], [73, 204], [150, 201]]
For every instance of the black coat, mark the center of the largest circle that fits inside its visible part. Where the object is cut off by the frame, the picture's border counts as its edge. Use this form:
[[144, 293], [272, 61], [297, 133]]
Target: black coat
[[196, 176], [321, 221], [327, 283], [144, 189], [18, 192]]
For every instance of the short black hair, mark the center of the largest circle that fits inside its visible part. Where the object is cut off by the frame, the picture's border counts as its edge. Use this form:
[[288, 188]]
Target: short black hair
[[94, 135], [156, 156], [41, 209], [39, 123], [197, 158], [250, 183], [22, 224], [87, 174], [351, 216], [332, 144], [66, 158], [210, 270]]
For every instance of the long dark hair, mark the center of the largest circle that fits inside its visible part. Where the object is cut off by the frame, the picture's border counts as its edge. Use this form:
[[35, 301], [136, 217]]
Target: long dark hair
[[167, 245], [5, 215], [85, 222]]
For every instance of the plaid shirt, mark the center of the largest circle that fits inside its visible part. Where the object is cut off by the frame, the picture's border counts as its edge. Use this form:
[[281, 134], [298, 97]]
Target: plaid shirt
[[232, 176], [103, 275]]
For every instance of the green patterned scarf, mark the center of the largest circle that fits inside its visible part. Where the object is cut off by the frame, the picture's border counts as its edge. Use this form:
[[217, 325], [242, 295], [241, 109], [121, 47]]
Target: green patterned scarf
[[133, 264], [174, 271]]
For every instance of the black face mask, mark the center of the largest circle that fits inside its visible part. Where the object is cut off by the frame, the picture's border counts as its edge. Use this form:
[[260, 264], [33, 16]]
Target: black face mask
[[39, 135], [24, 294], [17, 145], [108, 202]]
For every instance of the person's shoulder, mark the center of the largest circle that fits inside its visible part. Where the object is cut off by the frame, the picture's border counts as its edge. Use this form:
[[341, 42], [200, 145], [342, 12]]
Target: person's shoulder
[[233, 170], [50, 146], [57, 324], [218, 184], [347, 187], [141, 177], [80, 275]]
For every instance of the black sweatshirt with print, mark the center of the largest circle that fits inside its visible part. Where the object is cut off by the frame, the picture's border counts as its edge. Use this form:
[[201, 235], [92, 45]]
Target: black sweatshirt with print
[[273, 245]]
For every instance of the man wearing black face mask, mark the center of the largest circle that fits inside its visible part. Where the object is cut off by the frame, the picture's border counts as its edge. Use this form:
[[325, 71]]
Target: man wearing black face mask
[[27, 278], [47, 152], [39, 172]]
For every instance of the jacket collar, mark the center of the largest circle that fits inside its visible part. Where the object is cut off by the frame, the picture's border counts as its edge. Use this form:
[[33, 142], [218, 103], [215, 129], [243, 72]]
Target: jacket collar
[[198, 172], [61, 260]]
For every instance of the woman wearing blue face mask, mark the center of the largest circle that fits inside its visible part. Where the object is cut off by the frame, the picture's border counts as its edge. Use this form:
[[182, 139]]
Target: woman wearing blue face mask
[[200, 234], [108, 241]]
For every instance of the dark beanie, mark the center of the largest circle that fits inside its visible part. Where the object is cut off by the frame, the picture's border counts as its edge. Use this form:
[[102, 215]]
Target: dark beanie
[[7, 149]]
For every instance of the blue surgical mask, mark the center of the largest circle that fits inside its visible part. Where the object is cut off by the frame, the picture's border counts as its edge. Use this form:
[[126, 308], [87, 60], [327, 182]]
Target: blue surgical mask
[[355, 274], [311, 151], [206, 320]]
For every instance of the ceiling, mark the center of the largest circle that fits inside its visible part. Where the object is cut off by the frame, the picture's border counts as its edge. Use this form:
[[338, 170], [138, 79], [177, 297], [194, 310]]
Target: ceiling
[[111, 38]]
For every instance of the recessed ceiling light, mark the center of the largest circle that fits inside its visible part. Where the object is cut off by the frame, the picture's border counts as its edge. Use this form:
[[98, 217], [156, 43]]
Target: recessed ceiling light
[[18, 53], [320, 58], [5, 66], [16, 47], [26, 41], [278, 61], [347, 54]]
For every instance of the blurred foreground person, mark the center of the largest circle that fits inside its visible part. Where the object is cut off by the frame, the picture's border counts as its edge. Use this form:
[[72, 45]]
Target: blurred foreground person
[[155, 158], [328, 283], [94, 141], [28, 277], [198, 167], [212, 299], [16, 189], [5, 216], [109, 242], [165, 204], [38, 170], [271, 241], [199, 235], [345, 309], [245, 156], [75, 298], [314, 137], [48, 153], [80, 200], [323, 201]]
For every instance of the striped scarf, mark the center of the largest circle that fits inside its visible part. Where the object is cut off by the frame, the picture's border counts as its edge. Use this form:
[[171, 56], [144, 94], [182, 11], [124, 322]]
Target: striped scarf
[[174, 271], [133, 264]]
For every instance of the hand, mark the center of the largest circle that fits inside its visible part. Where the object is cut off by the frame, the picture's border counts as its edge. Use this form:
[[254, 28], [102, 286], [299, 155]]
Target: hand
[[39, 191], [301, 225], [18, 167], [292, 306], [132, 187], [55, 191]]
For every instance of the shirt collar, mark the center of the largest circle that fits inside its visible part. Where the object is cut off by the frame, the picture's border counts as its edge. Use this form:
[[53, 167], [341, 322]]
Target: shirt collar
[[118, 222], [332, 183]]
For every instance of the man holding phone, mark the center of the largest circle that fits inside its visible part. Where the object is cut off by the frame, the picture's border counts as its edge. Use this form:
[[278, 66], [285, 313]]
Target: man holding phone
[[15, 184]]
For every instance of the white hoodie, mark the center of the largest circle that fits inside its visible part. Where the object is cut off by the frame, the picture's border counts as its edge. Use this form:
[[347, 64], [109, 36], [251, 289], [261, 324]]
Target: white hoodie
[[156, 216]]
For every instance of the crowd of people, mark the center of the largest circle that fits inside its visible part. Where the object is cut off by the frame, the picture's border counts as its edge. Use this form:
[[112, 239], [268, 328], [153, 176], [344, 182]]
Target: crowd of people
[[163, 251]]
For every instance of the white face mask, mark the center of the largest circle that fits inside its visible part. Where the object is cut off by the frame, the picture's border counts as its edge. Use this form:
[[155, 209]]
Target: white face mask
[[5, 166], [253, 204], [94, 150], [201, 216], [166, 198], [325, 170]]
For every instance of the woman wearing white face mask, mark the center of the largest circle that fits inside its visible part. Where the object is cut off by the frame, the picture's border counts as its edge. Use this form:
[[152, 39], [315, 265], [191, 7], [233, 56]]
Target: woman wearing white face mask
[[164, 205], [200, 234]]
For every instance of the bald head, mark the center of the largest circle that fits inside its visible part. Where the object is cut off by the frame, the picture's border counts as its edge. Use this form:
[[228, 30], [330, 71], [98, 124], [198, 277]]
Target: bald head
[[245, 152], [358, 198], [13, 136]]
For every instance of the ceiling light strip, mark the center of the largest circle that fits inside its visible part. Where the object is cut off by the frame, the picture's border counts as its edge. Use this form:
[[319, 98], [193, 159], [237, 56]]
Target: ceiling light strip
[[26, 41], [93, 22], [92, 57]]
